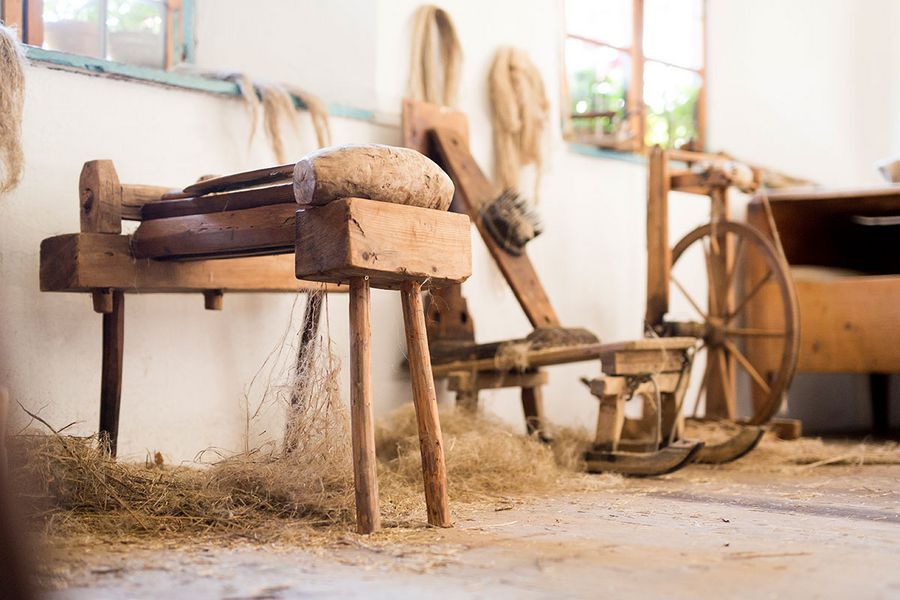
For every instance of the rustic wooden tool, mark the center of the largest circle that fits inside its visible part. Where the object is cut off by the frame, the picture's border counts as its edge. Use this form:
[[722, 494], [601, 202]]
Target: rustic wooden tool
[[443, 134], [727, 248], [391, 246]]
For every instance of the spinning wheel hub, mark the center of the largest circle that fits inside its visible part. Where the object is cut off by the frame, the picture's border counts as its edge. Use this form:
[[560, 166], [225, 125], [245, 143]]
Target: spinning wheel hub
[[714, 334]]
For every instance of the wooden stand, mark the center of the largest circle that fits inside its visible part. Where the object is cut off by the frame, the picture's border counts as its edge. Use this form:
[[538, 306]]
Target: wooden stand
[[390, 246]]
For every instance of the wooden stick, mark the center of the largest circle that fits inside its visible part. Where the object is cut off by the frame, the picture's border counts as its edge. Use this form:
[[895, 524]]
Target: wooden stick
[[365, 476], [111, 374], [431, 444], [533, 408]]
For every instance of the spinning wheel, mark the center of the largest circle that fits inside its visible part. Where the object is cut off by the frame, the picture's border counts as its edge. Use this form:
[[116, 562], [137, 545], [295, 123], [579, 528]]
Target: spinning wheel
[[731, 290]]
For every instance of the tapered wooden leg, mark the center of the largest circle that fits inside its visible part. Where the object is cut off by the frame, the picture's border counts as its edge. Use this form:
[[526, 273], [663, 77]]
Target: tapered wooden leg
[[533, 407], [362, 420], [431, 443], [610, 421], [111, 373]]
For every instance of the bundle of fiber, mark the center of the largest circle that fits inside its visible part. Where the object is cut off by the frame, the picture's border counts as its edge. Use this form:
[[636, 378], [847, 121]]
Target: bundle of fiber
[[433, 29], [12, 101], [521, 108]]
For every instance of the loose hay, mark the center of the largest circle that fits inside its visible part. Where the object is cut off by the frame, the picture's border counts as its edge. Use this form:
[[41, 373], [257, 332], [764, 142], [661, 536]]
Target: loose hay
[[77, 489]]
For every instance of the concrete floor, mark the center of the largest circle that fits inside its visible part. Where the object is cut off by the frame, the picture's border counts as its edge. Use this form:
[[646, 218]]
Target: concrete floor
[[830, 532]]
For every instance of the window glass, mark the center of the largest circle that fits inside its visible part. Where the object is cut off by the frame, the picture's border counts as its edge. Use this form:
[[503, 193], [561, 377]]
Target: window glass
[[673, 32], [598, 86], [671, 95], [606, 21], [73, 26], [127, 31]]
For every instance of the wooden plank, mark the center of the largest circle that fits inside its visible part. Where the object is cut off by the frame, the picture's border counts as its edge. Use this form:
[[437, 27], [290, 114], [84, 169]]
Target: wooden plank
[[659, 254], [246, 179], [34, 22], [818, 228], [610, 420], [82, 262], [362, 416], [419, 118], [266, 229], [473, 191], [212, 203], [111, 370], [850, 324], [100, 198], [467, 380], [389, 243], [431, 443], [135, 196]]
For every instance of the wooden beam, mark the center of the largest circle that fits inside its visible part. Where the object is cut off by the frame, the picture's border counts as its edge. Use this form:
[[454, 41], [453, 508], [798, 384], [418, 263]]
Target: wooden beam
[[659, 254], [83, 262], [263, 230]]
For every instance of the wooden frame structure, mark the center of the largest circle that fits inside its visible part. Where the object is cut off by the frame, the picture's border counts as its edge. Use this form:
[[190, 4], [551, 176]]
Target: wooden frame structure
[[244, 233], [470, 367], [848, 321]]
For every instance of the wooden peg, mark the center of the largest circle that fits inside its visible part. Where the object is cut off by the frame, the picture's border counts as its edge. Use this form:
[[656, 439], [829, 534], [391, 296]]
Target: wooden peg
[[434, 469], [111, 370], [100, 195], [212, 299], [103, 301], [362, 420]]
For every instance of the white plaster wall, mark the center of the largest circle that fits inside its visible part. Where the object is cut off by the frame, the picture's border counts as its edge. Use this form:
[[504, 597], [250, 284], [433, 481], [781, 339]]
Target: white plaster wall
[[187, 371], [809, 87]]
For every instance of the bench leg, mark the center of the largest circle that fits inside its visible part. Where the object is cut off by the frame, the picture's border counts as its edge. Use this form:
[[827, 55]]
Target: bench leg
[[111, 373], [610, 422], [434, 469], [533, 407], [362, 420]]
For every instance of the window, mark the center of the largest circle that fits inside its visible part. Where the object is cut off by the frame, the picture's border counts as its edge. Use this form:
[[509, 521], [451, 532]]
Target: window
[[146, 33], [636, 72]]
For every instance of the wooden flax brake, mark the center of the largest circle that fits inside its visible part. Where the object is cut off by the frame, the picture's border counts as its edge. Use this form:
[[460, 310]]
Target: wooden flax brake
[[364, 216], [632, 368]]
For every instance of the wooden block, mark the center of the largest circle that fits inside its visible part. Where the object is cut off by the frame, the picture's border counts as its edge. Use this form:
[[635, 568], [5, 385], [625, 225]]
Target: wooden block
[[100, 197], [786, 429], [261, 230], [213, 203], [613, 385], [102, 300], [641, 362], [610, 420], [84, 262], [389, 243], [212, 299]]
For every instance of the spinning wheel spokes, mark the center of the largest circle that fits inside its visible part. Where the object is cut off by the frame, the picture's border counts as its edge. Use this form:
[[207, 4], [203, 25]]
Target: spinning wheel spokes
[[765, 352]]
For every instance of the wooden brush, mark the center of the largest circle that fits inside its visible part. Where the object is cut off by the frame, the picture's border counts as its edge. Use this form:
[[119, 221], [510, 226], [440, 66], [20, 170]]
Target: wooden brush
[[511, 221]]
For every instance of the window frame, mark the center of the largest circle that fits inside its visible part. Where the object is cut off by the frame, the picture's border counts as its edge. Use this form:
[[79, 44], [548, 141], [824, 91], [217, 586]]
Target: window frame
[[27, 17], [635, 108]]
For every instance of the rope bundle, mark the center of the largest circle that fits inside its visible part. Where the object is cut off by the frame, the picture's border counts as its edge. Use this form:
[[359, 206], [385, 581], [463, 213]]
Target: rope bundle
[[12, 101], [433, 30], [521, 109]]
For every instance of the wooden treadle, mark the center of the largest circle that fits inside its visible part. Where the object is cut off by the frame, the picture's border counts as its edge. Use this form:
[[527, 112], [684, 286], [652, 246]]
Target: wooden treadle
[[622, 358]]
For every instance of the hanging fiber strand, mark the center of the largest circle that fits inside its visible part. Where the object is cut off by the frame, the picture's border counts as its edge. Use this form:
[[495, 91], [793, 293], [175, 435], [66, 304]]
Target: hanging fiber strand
[[433, 34], [278, 105], [318, 112], [521, 109], [12, 101]]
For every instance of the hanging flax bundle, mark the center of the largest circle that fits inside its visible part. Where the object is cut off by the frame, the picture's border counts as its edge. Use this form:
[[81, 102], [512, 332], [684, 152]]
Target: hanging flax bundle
[[12, 101], [521, 109], [433, 30]]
